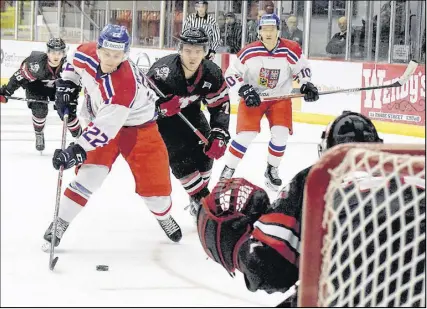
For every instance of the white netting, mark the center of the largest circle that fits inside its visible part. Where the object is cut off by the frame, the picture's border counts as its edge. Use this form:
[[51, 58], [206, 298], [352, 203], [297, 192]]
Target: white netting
[[373, 251]]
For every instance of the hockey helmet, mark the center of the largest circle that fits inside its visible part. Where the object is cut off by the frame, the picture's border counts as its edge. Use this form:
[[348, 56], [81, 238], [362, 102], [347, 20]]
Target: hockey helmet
[[56, 44], [269, 20], [114, 37], [349, 127], [194, 36]]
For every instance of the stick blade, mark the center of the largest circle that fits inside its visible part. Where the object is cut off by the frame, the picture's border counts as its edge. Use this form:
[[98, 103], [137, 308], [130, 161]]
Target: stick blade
[[52, 265], [412, 66]]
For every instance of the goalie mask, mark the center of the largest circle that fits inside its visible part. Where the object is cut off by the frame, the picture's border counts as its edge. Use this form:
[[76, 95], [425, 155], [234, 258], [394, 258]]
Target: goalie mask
[[226, 217], [350, 127]]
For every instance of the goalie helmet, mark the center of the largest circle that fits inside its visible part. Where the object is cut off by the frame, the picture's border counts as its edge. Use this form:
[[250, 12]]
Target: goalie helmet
[[56, 44], [194, 36], [114, 37], [349, 127]]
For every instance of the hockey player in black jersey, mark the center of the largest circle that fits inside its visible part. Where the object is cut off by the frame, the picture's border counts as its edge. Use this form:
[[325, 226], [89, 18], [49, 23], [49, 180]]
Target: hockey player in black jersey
[[188, 80], [262, 240], [37, 75]]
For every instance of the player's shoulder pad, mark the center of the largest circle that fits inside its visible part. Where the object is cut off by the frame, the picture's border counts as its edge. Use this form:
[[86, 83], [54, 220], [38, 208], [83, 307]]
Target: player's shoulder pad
[[165, 68], [211, 69], [253, 44], [291, 45], [89, 49], [166, 61], [35, 63], [36, 56]]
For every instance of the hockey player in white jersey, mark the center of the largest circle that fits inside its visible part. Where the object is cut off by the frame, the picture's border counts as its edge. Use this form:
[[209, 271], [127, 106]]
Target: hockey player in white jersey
[[120, 109], [263, 69]]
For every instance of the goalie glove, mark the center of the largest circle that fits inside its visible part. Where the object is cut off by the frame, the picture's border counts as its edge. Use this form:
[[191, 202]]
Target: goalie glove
[[73, 155], [217, 143]]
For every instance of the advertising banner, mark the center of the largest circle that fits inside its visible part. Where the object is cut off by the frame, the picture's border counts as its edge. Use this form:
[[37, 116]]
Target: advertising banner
[[406, 104]]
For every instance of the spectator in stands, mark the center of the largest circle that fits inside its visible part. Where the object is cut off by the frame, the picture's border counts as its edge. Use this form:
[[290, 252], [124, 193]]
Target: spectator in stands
[[252, 25], [269, 9], [234, 33], [253, 33], [202, 19], [292, 32], [336, 45]]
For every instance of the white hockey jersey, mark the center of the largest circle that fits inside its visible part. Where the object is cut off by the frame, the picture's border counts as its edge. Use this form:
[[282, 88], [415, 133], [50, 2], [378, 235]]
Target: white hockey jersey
[[121, 98], [270, 72]]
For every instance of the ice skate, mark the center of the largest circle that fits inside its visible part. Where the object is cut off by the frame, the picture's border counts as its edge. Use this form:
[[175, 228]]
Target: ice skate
[[272, 179], [171, 228], [193, 207], [40, 141], [227, 173], [60, 230]]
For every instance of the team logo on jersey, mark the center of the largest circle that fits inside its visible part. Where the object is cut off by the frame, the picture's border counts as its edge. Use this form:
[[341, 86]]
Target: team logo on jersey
[[34, 67], [207, 85], [268, 77], [162, 73]]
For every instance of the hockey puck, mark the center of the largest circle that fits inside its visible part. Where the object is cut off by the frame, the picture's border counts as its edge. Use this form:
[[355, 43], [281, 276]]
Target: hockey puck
[[102, 267]]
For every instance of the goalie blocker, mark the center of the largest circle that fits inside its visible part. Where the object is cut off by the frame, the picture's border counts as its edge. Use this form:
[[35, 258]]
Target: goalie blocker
[[263, 240]]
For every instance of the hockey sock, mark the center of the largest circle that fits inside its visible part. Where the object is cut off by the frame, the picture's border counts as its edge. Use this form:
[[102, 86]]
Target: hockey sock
[[206, 176], [39, 123], [160, 206], [238, 148], [201, 194], [193, 183], [74, 127], [277, 145], [75, 198]]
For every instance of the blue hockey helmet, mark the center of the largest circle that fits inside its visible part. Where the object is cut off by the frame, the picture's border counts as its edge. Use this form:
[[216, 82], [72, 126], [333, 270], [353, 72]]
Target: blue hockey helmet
[[114, 37], [269, 20]]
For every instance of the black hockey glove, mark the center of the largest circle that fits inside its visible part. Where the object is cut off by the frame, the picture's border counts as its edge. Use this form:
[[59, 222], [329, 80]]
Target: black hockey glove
[[66, 97], [310, 91], [3, 93], [218, 139], [251, 97], [73, 155], [210, 55]]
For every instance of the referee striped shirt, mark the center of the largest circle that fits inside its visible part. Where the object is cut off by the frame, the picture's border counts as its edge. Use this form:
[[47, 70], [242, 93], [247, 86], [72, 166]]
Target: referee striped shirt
[[208, 23]]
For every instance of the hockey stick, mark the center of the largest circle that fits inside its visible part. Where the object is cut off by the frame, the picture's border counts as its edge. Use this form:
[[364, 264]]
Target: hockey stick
[[52, 258], [195, 130], [410, 69], [28, 100], [291, 296]]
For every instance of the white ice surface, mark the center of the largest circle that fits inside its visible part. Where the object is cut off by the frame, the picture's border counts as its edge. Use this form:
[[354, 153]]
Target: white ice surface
[[116, 229]]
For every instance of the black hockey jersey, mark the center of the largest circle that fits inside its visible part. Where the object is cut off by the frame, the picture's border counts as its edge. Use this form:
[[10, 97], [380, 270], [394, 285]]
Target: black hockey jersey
[[206, 86], [36, 76]]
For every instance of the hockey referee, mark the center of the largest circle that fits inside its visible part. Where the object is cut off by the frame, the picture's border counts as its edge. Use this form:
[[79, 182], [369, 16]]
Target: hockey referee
[[208, 23]]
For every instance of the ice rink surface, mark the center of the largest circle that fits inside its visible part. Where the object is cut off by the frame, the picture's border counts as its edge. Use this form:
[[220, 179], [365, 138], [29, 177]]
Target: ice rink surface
[[116, 229]]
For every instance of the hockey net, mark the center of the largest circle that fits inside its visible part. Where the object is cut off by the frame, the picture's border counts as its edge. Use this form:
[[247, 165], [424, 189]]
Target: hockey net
[[363, 237]]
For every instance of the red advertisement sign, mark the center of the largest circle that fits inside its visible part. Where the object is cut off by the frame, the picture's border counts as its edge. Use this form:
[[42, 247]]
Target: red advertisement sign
[[406, 104]]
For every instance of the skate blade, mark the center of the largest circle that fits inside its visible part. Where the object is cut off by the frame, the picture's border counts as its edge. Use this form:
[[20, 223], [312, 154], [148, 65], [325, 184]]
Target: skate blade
[[271, 186]]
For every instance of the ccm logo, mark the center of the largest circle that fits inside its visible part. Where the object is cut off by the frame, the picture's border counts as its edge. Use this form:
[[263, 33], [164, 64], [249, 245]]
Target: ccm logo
[[65, 89]]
